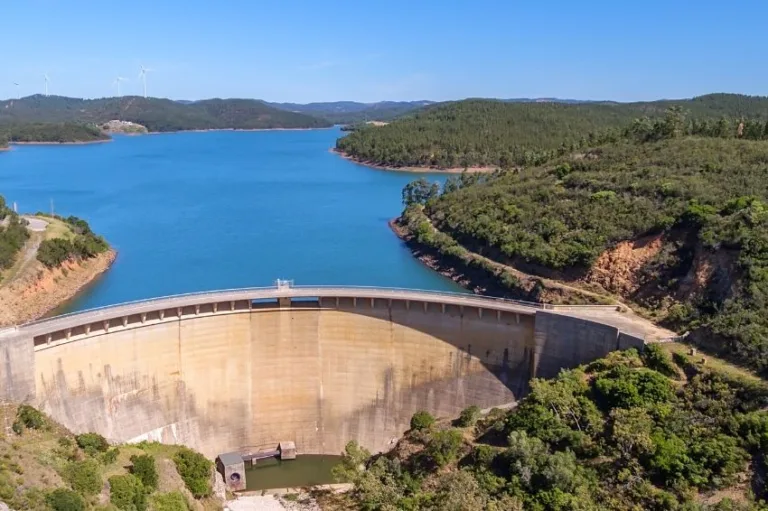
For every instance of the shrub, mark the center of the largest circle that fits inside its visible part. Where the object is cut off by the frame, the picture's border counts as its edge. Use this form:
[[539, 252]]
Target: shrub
[[84, 476], [127, 493], [352, 463], [422, 420], [54, 252], [468, 416], [144, 469], [28, 417], [627, 388], [110, 456], [62, 499], [195, 470], [656, 358], [173, 501], [92, 443], [443, 447]]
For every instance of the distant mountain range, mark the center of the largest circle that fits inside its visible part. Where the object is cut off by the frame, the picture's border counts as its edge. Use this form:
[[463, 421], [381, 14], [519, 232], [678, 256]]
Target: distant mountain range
[[168, 115], [348, 112], [155, 113]]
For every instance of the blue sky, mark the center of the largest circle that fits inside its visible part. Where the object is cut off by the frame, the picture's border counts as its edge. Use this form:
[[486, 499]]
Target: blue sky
[[370, 50]]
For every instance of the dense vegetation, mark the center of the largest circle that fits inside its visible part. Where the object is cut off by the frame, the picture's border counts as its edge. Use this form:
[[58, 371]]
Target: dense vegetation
[[52, 132], [13, 234], [195, 470], [627, 432], [494, 133], [83, 244], [43, 467], [154, 113], [701, 184]]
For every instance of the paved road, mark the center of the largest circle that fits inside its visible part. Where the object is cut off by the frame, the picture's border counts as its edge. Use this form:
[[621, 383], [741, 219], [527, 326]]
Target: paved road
[[35, 224]]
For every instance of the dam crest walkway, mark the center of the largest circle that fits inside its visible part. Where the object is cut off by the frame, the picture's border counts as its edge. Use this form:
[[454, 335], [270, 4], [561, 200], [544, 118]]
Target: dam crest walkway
[[612, 315]]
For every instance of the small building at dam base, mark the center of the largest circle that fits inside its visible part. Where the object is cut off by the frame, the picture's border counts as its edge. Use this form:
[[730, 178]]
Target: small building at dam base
[[220, 371]]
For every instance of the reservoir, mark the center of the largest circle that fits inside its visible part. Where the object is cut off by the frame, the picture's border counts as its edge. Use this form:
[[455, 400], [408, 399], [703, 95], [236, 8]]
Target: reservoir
[[199, 211]]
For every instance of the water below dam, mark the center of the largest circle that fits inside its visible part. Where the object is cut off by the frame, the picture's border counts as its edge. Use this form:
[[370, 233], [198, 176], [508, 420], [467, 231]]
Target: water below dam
[[199, 211], [305, 470]]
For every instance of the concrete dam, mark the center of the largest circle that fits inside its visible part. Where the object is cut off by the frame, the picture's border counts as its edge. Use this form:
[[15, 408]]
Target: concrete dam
[[318, 366]]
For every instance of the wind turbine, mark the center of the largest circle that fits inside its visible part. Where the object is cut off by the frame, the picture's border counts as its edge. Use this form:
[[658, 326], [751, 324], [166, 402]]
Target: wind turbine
[[117, 82], [47, 79], [17, 90], [143, 77]]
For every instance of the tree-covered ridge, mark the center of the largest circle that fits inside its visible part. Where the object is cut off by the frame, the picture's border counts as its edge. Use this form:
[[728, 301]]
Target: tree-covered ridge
[[493, 133], [350, 112], [704, 195], [154, 113], [52, 133], [628, 432]]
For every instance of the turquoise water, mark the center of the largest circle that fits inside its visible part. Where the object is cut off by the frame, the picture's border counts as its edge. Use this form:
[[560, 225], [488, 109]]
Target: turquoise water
[[200, 211]]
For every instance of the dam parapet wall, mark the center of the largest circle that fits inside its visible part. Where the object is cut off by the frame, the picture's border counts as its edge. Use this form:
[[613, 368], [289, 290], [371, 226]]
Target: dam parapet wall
[[317, 366]]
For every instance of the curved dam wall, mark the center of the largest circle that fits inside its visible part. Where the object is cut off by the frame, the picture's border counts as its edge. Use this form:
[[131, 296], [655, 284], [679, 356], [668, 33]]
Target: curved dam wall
[[248, 369]]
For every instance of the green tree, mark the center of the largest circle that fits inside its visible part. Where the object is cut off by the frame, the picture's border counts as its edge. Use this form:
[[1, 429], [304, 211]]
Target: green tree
[[92, 443], [352, 462], [195, 470], [459, 491], [144, 469], [62, 499], [468, 416], [420, 192], [84, 476], [443, 447], [631, 432], [422, 420], [127, 493]]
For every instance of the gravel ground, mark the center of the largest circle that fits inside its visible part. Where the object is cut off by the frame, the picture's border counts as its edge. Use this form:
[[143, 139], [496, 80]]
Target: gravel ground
[[270, 503]]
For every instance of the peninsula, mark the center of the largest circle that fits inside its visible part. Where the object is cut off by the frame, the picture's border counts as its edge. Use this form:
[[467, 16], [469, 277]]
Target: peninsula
[[45, 261]]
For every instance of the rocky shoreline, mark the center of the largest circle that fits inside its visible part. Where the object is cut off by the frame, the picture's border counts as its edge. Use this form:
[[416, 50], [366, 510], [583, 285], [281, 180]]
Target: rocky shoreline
[[435, 170], [32, 298], [493, 279], [475, 280]]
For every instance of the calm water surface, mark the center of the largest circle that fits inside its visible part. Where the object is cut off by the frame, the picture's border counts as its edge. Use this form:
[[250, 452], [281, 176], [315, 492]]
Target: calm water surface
[[305, 470], [199, 211]]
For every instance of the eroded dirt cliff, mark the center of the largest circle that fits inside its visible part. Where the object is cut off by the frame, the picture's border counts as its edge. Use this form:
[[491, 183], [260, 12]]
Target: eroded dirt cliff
[[41, 289]]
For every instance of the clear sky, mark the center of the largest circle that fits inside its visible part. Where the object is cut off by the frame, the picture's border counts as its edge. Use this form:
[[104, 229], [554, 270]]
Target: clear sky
[[370, 50]]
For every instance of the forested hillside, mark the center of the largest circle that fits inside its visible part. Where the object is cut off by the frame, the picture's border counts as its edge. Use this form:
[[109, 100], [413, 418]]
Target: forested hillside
[[493, 133], [693, 193], [52, 133], [628, 432], [154, 113]]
